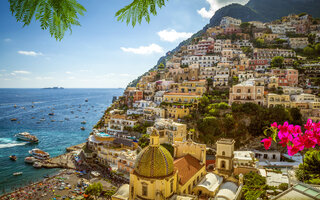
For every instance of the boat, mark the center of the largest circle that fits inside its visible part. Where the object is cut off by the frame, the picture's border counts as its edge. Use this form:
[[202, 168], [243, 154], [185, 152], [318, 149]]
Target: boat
[[13, 157], [53, 120], [83, 122], [66, 119], [14, 119], [86, 100], [39, 154], [27, 137], [17, 173], [37, 165], [30, 160], [83, 128], [15, 106], [51, 114]]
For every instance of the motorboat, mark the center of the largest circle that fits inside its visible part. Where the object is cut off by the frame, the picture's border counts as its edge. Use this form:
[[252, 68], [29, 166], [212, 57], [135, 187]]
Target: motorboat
[[86, 100], [51, 114], [15, 106], [83, 128], [83, 122], [30, 160], [17, 173], [27, 137], [39, 154], [13, 157], [14, 119]]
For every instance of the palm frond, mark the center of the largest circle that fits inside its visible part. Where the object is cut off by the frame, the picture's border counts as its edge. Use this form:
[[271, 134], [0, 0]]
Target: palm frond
[[56, 15], [139, 9]]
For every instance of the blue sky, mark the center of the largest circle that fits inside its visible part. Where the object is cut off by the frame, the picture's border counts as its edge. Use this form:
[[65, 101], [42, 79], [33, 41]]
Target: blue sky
[[102, 52]]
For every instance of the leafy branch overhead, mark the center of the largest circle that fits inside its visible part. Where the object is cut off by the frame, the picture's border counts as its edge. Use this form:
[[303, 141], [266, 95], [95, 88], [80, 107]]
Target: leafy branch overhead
[[56, 15], [138, 10]]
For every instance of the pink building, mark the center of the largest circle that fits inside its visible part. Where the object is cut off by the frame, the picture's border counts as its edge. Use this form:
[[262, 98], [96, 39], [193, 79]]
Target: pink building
[[286, 77]]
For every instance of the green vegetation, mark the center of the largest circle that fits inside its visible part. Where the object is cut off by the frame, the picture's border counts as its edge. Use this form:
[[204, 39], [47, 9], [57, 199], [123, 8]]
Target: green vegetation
[[142, 127], [56, 15], [277, 62], [309, 170], [144, 141], [254, 186], [94, 189], [215, 119]]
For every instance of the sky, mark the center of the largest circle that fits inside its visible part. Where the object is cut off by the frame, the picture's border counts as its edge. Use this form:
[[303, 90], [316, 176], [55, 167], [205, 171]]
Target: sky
[[102, 52]]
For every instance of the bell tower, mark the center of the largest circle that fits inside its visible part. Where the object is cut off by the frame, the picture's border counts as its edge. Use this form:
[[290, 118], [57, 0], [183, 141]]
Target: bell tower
[[224, 156]]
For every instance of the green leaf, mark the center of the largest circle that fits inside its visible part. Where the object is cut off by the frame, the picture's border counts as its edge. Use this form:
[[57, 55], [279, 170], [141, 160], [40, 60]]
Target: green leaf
[[56, 15], [138, 9]]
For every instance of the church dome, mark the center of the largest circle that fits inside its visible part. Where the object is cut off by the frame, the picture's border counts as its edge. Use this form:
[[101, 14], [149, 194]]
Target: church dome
[[154, 162]]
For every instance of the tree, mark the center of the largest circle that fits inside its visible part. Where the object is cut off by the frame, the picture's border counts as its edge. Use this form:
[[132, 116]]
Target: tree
[[254, 186], [277, 62], [209, 84], [144, 141], [317, 48], [94, 189], [310, 168], [309, 51]]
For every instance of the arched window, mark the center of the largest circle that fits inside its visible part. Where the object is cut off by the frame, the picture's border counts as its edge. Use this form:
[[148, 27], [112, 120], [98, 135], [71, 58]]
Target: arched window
[[223, 164], [144, 189]]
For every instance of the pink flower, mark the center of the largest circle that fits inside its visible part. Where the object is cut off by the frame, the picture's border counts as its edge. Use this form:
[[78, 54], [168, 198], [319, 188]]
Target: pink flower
[[292, 150], [298, 143], [267, 142], [297, 131], [309, 124], [274, 124], [285, 138]]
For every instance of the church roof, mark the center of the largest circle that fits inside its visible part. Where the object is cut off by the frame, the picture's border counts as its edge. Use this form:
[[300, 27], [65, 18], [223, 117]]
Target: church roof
[[154, 162], [187, 167]]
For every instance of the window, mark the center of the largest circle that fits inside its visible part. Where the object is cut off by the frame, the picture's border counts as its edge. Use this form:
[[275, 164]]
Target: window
[[223, 164], [144, 189], [274, 156], [223, 153], [265, 156]]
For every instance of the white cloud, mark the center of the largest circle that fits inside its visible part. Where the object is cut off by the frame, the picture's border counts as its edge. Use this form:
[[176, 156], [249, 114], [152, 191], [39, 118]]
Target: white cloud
[[71, 77], [209, 13], [68, 72], [144, 50], [7, 40], [172, 35], [20, 72], [30, 53]]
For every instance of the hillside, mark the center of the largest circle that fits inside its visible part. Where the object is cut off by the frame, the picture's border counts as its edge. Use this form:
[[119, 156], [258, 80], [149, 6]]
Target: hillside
[[254, 10]]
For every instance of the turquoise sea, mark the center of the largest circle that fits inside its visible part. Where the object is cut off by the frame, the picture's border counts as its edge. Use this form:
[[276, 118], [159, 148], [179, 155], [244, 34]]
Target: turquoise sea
[[55, 133]]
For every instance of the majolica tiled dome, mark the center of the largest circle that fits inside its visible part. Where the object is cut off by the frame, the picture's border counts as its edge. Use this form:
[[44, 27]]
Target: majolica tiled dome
[[154, 162]]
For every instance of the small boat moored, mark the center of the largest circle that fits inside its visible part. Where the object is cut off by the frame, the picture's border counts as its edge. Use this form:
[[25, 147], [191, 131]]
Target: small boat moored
[[83, 128], [13, 157], [30, 160], [17, 173], [37, 165], [51, 114], [83, 122], [39, 154], [14, 119]]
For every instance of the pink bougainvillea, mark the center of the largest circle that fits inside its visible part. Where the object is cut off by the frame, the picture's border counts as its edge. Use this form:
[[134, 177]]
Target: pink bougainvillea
[[292, 137]]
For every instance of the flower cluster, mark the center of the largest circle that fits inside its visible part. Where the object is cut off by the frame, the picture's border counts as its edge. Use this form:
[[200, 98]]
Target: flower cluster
[[292, 137]]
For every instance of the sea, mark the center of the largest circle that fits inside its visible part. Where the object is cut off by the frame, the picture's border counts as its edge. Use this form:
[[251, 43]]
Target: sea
[[55, 133]]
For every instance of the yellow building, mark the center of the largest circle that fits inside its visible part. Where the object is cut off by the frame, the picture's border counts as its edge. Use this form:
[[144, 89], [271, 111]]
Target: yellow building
[[197, 87], [169, 131], [177, 112], [154, 176], [190, 98], [273, 82], [278, 99]]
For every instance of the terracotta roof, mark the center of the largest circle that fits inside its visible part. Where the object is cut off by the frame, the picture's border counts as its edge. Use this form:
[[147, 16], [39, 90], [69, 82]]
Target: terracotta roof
[[187, 167]]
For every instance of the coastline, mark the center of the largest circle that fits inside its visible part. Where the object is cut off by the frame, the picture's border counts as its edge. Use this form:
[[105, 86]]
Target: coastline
[[62, 161]]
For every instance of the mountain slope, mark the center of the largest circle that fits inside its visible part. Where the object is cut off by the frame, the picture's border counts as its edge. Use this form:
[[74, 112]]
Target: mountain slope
[[254, 10]]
